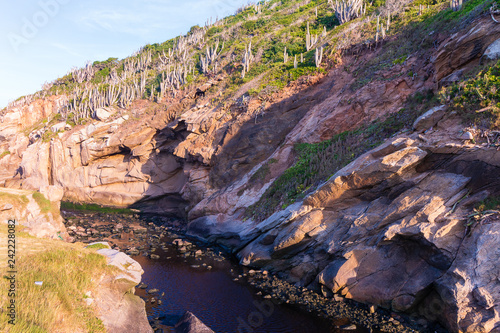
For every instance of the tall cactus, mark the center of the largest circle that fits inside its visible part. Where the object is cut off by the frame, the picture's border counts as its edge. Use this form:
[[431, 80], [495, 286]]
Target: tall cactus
[[247, 59], [318, 56], [285, 56], [310, 39]]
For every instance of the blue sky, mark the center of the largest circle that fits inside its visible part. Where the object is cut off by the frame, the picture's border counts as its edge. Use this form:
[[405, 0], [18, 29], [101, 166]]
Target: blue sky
[[42, 40]]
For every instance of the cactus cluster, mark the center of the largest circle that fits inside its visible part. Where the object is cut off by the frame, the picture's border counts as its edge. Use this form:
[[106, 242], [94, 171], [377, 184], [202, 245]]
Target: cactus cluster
[[381, 29], [311, 40], [83, 74], [210, 57], [347, 10], [247, 59]]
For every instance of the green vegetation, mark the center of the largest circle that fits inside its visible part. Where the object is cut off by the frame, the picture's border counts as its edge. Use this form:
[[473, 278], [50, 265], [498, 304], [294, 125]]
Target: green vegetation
[[416, 33], [44, 203], [97, 246], [67, 271], [315, 163], [263, 171], [490, 203], [14, 199], [5, 153], [95, 208], [477, 99]]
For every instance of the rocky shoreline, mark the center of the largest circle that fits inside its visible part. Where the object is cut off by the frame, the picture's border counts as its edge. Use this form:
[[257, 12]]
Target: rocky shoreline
[[137, 234]]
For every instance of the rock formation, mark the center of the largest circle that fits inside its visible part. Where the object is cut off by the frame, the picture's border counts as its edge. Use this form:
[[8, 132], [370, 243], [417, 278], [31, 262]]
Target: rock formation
[[117, 306], [40, 216], [189, 323], [389, 229]]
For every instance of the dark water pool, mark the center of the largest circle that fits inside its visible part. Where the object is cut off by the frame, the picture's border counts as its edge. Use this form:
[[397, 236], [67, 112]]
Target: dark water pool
[[220, 302]]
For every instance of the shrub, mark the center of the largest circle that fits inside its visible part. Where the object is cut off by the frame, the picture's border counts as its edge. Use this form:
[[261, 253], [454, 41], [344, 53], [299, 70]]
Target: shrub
[[478, 93]]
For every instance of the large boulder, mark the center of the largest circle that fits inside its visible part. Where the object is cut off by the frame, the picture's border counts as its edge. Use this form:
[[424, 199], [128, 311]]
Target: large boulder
[[117, 306], [189, 323], [430, 118]]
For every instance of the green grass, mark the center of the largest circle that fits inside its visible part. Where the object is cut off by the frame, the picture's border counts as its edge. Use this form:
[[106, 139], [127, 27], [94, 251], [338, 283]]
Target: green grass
[[315, 163], [263, 171], [95, 208], [415, 34], [97, 246], [490, 203], [68, 271], [14, 199], [5, 153], [44, 203], [481, 92]]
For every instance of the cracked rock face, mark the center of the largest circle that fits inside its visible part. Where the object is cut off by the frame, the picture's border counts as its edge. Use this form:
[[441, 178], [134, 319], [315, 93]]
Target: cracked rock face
[[388, 230]]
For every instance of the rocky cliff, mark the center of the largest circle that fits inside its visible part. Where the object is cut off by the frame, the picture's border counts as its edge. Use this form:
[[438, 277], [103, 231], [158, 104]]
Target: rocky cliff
[[392, 228], [38, 215]]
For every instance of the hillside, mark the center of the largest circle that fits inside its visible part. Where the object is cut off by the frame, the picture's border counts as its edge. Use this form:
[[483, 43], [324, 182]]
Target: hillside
[[350, 153]]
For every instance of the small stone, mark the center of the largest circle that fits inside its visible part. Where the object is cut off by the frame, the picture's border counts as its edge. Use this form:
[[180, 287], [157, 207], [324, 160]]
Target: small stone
[[338, 298], [152, 291], [154, 256], [178, 242], [373, 308], [268, 297], [466, 136], [350, 327], [7, 207]]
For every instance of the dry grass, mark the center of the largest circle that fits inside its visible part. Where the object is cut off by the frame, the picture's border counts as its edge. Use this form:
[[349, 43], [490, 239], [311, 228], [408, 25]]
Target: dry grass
[[68, 271]]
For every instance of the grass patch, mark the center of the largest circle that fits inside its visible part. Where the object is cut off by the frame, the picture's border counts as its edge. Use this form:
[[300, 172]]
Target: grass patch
[[68, 271], [97, 246], [44, 203], [95, 208], [263, 171], [14, 199], [5, 153], [317, 162], [490, 203], [482, 92], [416, 34]]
